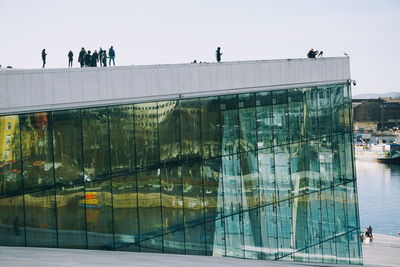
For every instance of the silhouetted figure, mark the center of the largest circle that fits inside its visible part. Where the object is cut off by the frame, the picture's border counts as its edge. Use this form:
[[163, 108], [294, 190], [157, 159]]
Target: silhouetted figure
[[70, 58], [44, 57], [87, 59], [94, 59], [194, 61], [218, 54], [101, 56], [104, 58], [312, 53], [320, 54], [81, 58], [111, 55]]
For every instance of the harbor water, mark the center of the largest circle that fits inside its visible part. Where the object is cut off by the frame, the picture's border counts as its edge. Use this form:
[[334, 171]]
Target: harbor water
[[379, 196]]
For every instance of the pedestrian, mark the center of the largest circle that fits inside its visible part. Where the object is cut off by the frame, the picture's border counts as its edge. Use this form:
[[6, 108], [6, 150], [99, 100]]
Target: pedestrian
[[70, 58], [44, 57], [94, 59], [87, 59], [81, 58], [312, 53], [101, 56], [111, 55], [104, 58], [218, 54]]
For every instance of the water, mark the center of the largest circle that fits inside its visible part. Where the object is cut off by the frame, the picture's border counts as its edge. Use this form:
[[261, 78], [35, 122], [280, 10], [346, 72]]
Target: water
[[379, 196]]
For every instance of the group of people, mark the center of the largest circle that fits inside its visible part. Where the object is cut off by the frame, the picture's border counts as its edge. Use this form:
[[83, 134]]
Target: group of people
[[87, 59], [367, 235]]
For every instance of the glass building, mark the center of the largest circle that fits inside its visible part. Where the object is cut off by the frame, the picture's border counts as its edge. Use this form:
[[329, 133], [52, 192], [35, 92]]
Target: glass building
[[259, 175]]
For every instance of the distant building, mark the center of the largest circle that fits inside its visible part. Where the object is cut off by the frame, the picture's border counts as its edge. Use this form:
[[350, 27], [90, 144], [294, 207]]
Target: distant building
[[376, 114]]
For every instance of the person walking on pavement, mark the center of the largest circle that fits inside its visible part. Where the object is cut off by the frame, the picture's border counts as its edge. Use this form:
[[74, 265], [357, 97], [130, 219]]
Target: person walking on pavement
[[94, 59], [87, 59], [218, 54], [44, 57], [111, 55], [70, 58], [81, 58]]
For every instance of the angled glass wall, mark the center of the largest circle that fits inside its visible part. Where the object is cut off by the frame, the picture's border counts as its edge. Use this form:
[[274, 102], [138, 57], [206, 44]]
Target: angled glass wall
[[262, 175]]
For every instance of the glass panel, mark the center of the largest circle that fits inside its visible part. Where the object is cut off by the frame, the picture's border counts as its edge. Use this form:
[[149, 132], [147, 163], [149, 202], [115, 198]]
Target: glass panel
[[193, 193], [40, 219], [295, 116], [96, 146], [301, 233], [67, 132], [195, 240], [213, 193], [280, 102], [329, 250], [215, 238], [71, 217], [265, 125], [99, 215], [190, 128], [172, 202], [149, 203], [266, 166], [312, 166], [282, 175], [249, 169], [174, 242], [247, 118], [298, 168], [230, 124], [169, 130], [121, 138], [252, 234], [326, 162], [328, 213], [284, 223], [355, 247], [314, 218], [125, 212], [146, 135], [232, 184], [311, 113], [352, 207], [10, 155], [153, 245], [342, 248], [340, 210], [234, 236], [12, 221], [37, 150], [210, 127]]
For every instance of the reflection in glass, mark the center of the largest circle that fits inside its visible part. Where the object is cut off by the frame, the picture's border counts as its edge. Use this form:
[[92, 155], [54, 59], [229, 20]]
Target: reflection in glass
[[67, 139]]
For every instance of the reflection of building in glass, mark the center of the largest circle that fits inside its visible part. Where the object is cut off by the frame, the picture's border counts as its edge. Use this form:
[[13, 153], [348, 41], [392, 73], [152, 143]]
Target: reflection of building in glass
[[264, 174]]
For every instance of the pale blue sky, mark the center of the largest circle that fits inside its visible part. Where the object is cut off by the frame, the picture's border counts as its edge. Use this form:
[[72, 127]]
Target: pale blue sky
[[179, 31]]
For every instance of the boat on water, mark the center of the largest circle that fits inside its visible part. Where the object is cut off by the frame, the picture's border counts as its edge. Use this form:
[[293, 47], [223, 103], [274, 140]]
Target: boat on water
[[385, 153]]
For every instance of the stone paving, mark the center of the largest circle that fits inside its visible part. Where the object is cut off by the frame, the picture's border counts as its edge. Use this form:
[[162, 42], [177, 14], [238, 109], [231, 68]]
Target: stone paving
[[384, 251]]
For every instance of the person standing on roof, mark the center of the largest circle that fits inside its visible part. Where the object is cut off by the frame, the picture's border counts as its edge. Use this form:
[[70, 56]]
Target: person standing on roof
[[81, 58], [70, 58], [87, 59], [94, 59], [111, 55], [44, 57], [218, 54]]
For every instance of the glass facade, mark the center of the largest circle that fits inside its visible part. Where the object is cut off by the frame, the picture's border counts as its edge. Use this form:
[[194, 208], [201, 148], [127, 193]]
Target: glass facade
[[262, 175]]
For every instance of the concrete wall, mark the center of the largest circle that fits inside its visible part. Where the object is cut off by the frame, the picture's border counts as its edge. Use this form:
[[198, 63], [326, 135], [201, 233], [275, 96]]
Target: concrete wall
[[46, 89]]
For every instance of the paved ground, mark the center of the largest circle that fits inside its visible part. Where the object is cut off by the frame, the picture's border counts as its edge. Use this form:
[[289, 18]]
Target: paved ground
[[384, 251]]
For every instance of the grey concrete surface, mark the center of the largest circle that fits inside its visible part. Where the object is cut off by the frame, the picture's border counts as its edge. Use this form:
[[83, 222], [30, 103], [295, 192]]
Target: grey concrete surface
[[47, 257], [384, 251]]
